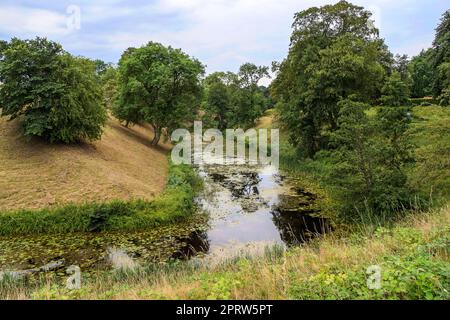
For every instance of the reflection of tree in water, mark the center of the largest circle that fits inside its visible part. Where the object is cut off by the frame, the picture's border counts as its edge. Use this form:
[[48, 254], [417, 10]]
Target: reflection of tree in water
[[298, 227], [241, 184], [196, 242]]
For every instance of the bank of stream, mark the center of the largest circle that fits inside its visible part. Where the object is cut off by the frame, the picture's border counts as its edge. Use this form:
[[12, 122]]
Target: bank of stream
[[243, 208]]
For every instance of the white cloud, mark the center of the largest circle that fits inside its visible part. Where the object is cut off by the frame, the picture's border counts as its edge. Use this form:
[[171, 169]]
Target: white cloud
[[22, 21], [219, 30], [221, 33]]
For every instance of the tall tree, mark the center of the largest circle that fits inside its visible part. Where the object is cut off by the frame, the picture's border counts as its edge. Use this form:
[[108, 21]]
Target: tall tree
[[250, 99], [370, 159], [158, 85], [3, 46], [109, 81], [218, 105], [395, 91], [335, 52], [441, 54], [401, 66], [421, 71], [54, 94]]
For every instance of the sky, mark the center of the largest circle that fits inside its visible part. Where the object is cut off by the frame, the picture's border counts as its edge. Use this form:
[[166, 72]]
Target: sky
[[223, 34]]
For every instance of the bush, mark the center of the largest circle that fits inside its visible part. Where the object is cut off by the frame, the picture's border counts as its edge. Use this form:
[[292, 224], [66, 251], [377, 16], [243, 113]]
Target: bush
[[55, 94], [444, 98], [370, 159]]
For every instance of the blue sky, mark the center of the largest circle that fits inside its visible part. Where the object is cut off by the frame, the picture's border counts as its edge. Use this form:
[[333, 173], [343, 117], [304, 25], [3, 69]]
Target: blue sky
[[221, 33]]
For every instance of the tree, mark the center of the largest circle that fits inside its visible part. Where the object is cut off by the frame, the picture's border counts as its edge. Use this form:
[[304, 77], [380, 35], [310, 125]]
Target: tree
[[3, 46], [335, 52], [109, 82], [370, 158], [441, 53], [55, 94], [443, 79], [250, 99], [235, 100], [395, 91], [355, 152], [421, 71], [400, 64], [158, 85], [101, 67], [218, 105]]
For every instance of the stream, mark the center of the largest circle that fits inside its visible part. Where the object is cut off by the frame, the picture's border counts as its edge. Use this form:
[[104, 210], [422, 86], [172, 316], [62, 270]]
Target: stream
[[242, 209]]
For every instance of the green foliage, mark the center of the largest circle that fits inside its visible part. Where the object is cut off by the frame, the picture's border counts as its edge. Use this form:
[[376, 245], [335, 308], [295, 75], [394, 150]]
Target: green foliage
[[430, 132], [443, 77], [370, 159], [218, 99], [250, 100], [173, 205], [441, 55], [444, 98], [55, 94], [158, 85], [413, 278], [395, 91], [109, 79], [422, 74], [235, 100], [401, 65], [335, 52], [430, 71], [418, 269]]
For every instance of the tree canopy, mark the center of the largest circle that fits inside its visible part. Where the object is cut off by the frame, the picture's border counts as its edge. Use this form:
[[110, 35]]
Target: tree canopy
[[335, 53], [235, 99], [421, 71], [158, 85], [55, 94]]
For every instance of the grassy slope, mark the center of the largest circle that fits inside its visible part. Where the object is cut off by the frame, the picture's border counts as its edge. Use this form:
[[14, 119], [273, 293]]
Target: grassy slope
[[174, 204], [118, 183], [34, 174]]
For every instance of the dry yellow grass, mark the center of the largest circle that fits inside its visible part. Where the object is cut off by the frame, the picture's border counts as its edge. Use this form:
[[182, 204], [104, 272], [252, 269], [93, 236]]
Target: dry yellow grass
[[266, 120], [122, 165]]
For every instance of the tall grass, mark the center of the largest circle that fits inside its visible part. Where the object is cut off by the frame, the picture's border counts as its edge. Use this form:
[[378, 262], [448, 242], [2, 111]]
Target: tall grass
[[413, 255]]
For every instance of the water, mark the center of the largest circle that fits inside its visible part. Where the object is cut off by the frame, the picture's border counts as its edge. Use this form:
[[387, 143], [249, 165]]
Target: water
[[251, 207], [243, 208]]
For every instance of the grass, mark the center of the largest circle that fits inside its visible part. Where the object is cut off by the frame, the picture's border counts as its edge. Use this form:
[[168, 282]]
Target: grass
[[37, 175], [430, 132], [174, 204], [413, 256]]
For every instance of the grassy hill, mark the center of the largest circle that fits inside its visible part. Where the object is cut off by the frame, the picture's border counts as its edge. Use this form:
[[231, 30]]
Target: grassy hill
[[122, 165]]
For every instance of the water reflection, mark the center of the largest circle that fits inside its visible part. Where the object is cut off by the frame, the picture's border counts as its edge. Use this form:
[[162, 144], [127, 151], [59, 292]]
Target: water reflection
[[248, 208], [249, 204], [297, 228], [196, 243]]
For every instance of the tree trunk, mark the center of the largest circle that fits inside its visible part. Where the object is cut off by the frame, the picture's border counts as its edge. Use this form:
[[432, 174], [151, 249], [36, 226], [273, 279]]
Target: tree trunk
[[157, 136]]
